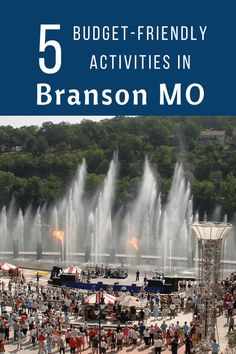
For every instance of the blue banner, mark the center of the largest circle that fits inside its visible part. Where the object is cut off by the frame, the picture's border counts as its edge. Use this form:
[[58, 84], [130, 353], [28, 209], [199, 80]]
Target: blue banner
[[117, 58]]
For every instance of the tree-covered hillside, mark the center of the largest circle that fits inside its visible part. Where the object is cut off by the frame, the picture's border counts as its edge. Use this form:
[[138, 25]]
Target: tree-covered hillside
[[38, 164]]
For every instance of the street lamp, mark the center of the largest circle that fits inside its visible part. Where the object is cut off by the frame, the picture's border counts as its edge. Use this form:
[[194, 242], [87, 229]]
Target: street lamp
[[100, 305]]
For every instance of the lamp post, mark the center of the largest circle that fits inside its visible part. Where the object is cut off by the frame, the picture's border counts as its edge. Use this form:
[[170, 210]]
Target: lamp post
[[100, 305]]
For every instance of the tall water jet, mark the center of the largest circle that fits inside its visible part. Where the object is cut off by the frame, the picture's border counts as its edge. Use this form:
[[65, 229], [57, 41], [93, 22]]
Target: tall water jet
[[30, 233], [157, 220], [75, 213], [189, 235], [140, 222], [103, 214], [175, 215], [19, 231], [170, 257], [196, 257], [4, 244], [162, 242], [38, 226], [90, 239], [65, 238], [217, 213], [196, 217], [37, 229]]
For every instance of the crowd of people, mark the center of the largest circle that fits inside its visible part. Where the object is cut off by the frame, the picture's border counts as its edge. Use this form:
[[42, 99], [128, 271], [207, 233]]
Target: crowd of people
[[35, 315]]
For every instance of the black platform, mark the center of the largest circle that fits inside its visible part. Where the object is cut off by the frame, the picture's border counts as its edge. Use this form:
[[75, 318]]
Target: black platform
[[168, 285]]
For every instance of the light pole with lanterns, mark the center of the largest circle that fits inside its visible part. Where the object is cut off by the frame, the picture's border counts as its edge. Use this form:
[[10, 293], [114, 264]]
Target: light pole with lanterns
[[99, 307]]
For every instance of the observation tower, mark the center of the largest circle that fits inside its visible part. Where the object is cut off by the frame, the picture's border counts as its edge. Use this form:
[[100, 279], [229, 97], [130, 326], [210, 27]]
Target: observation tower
[[210, 237]]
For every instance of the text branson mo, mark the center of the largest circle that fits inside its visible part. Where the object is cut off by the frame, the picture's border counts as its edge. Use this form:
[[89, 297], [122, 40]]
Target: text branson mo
[[193, 94]]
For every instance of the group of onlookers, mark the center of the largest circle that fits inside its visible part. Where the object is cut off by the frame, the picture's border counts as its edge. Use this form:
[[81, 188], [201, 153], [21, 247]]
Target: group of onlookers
[[47, 317]]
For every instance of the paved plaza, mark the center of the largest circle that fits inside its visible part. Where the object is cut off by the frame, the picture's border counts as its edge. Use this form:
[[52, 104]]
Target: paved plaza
[[30, 275]]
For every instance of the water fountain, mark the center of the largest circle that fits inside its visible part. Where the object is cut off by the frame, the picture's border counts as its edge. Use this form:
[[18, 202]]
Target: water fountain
[[140, 220], [102, 234], [79, 229], [3, 230]]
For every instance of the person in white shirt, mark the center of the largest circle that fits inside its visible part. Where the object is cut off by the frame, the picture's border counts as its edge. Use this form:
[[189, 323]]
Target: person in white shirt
[[158, 345], [146, 313], [134, 336], [103, 346], [146, 336], [172, 310], [119, 338]]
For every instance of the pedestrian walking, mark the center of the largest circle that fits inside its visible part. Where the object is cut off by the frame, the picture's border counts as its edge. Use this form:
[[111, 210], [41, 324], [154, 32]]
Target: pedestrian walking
[[2, 346], [95, 344], [20, 336], [231, 323], [188, 345], [146, 336], [103, 345], [119, 339], [155, 311], [62, 345], [49, 343], [72, 344], [215, 347], [37, 277], [174, 346], [158, 345]]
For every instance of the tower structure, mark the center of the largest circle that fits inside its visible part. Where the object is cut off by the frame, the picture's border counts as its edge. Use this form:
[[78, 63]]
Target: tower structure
[[210, 237]]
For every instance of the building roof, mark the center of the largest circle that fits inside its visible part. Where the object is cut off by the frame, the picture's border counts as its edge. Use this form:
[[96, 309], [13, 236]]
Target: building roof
[[206, 133]]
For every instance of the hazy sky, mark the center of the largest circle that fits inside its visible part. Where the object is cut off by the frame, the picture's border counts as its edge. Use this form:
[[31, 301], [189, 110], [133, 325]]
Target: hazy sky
[[19, 121]]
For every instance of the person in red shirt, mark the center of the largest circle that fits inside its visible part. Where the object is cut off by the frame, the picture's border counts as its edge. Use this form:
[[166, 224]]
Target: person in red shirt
[[7, 331], [41, 339], [79, 345], [72, 344], [126, 334], [2, 346], [108, 338], [91, 334], [168, 337]]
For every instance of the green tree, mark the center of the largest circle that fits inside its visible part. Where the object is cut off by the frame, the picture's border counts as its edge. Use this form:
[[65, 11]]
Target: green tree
[[228, 192], [93, 181], [94, 158]]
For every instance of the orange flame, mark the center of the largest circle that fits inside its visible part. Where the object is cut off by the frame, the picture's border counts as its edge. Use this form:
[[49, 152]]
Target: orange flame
[[134, 242], [58, 234]]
